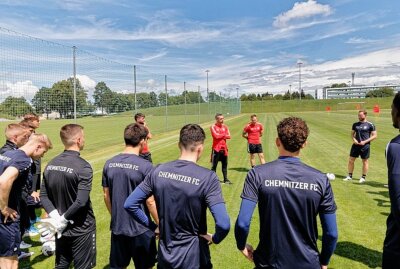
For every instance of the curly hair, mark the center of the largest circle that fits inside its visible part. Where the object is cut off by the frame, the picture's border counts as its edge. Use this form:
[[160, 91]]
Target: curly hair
[[293, 133]]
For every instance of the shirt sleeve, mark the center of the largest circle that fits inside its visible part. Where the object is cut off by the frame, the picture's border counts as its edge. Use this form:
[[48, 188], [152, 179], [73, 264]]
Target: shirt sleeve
[[327, 204], [250, 188], [147, 185], [214, 193], [393, 164], [85, 178], [20, 161], [104, 179]]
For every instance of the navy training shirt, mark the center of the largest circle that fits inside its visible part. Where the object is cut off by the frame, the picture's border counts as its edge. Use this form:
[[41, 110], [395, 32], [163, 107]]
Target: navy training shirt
[[290, 194], [363, 130], [122, 174], [63, 177], [183, 190], [18, 159], [392, 239]]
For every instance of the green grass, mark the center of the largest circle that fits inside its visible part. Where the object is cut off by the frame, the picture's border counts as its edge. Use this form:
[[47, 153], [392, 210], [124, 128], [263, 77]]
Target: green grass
[[362, 209]]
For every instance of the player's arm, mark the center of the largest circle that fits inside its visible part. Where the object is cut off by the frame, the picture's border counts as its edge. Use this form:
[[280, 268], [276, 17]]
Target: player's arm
[[151, 205], [245, 133], [44, 198], [6, 181], [215, 134], [329, 237], [222, 223], [261, 130], [353, 137], [227, 133], [393, 161], [107, 198], [133, 206], [242, 227]]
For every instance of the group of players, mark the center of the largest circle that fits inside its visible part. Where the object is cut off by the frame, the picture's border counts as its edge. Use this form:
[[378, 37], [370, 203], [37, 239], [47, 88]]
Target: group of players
[[169, 201]]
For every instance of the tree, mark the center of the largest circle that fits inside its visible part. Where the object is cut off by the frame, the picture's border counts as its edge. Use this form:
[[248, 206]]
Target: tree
[[278, 97], [44, 101], [381, 92], [102, 96], [15, 106], [63, 93], [287, 96], [339, 85]]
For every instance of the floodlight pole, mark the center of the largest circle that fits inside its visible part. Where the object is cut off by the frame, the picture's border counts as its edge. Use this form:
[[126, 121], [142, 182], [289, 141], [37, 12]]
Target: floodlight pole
[[290, 92], [299, 63], [208, 94], [199, 98], [74, 70], [184, 92], [166, 104]]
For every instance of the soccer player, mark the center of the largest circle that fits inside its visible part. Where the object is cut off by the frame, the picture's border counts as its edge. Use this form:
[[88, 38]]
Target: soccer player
[[145, 153], [362, 133], [66, 185], [252, 132], [14, 169], [183, 190], [289, 194], [16, 136], [121, 175], [391, 245], [220, 133]]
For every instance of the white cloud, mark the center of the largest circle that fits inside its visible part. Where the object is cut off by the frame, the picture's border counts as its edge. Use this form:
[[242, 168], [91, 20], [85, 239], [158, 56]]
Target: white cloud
[[301, 10], [358, 40], [24, 89]]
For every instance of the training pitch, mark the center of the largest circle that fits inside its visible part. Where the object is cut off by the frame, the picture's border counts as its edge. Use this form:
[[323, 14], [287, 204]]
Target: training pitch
[[362, 209]]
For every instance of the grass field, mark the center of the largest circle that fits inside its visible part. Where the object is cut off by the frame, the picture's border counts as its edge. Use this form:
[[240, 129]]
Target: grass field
[[362, 209]]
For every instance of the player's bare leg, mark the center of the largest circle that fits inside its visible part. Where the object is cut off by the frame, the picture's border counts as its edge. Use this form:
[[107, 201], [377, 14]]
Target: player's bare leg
[[252, 159], [350, 168], [261, 157], [364, 170]]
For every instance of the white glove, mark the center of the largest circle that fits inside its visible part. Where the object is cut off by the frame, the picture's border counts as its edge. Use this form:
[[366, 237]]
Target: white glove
[[54, 225]]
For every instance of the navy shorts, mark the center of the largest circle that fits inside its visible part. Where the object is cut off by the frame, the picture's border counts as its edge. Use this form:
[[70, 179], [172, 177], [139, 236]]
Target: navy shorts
[[255, 148], [10, 238], [141, 249], [362, 151], [81, 250]]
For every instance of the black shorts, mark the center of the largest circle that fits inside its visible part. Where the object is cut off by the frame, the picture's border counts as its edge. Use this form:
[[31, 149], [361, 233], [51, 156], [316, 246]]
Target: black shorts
[[146, 156], [362, 151], [10, 238], [254, 148], [141, 249], [81, 250]]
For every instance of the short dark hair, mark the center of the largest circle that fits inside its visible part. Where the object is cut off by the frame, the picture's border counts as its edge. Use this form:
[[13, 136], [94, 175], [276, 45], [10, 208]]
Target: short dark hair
[[139, 115], [363, 111], [31, 117], [252, 116], [27, 124], [293, 133], [396, 103], [68, 132], [134, 133], [217, 115], [191, 136]]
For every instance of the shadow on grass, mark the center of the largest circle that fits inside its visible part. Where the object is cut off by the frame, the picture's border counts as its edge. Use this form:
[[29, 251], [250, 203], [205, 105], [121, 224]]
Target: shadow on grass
[[376, 184], [28, 263], [240, 169], [352, 251]]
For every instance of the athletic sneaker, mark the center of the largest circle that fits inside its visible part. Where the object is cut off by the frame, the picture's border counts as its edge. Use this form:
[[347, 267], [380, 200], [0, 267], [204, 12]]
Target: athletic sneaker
[[362, 180], [24, 255], [227, 181], [24, 245], [347, 178]]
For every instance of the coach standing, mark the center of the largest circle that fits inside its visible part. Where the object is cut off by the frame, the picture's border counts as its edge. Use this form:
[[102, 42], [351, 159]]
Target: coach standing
[[289, 194], [15, 170], [253, 132], [362, 133], [121, 175], [67, 182], [183, 191], [391, 245], [145, 153], [220, 133]]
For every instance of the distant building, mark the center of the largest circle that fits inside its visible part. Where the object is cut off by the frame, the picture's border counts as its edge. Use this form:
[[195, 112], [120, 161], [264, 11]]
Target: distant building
[[355, 91]]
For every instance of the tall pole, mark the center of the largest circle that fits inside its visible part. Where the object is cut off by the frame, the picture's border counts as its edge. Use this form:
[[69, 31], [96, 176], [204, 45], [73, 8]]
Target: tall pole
[[199, 98], [74, 70], [299, 63], [134, 83], [184, 92], [166, 104], [290, 91], [208, 94]]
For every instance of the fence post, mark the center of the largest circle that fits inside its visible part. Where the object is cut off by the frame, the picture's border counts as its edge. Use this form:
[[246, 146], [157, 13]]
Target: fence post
[[166, 103], [74, 72], [134, 83]]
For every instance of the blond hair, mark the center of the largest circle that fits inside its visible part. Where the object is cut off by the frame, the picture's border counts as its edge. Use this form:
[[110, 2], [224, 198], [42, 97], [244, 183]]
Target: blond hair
[[41, 139]]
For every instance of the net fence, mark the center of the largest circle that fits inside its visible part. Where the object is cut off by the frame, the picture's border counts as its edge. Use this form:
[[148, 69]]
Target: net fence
[[58, 81]]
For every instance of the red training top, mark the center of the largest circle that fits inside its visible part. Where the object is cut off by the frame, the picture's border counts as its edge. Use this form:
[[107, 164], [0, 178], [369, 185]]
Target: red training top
[[253, 132], [220, 133]]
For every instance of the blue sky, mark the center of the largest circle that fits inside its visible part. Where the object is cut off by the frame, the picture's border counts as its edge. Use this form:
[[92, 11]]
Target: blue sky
[[254, 45]]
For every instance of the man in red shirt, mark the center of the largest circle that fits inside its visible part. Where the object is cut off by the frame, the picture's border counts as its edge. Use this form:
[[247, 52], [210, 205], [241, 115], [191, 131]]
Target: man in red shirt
[[220, 134], [145, 153], [252, 132]]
